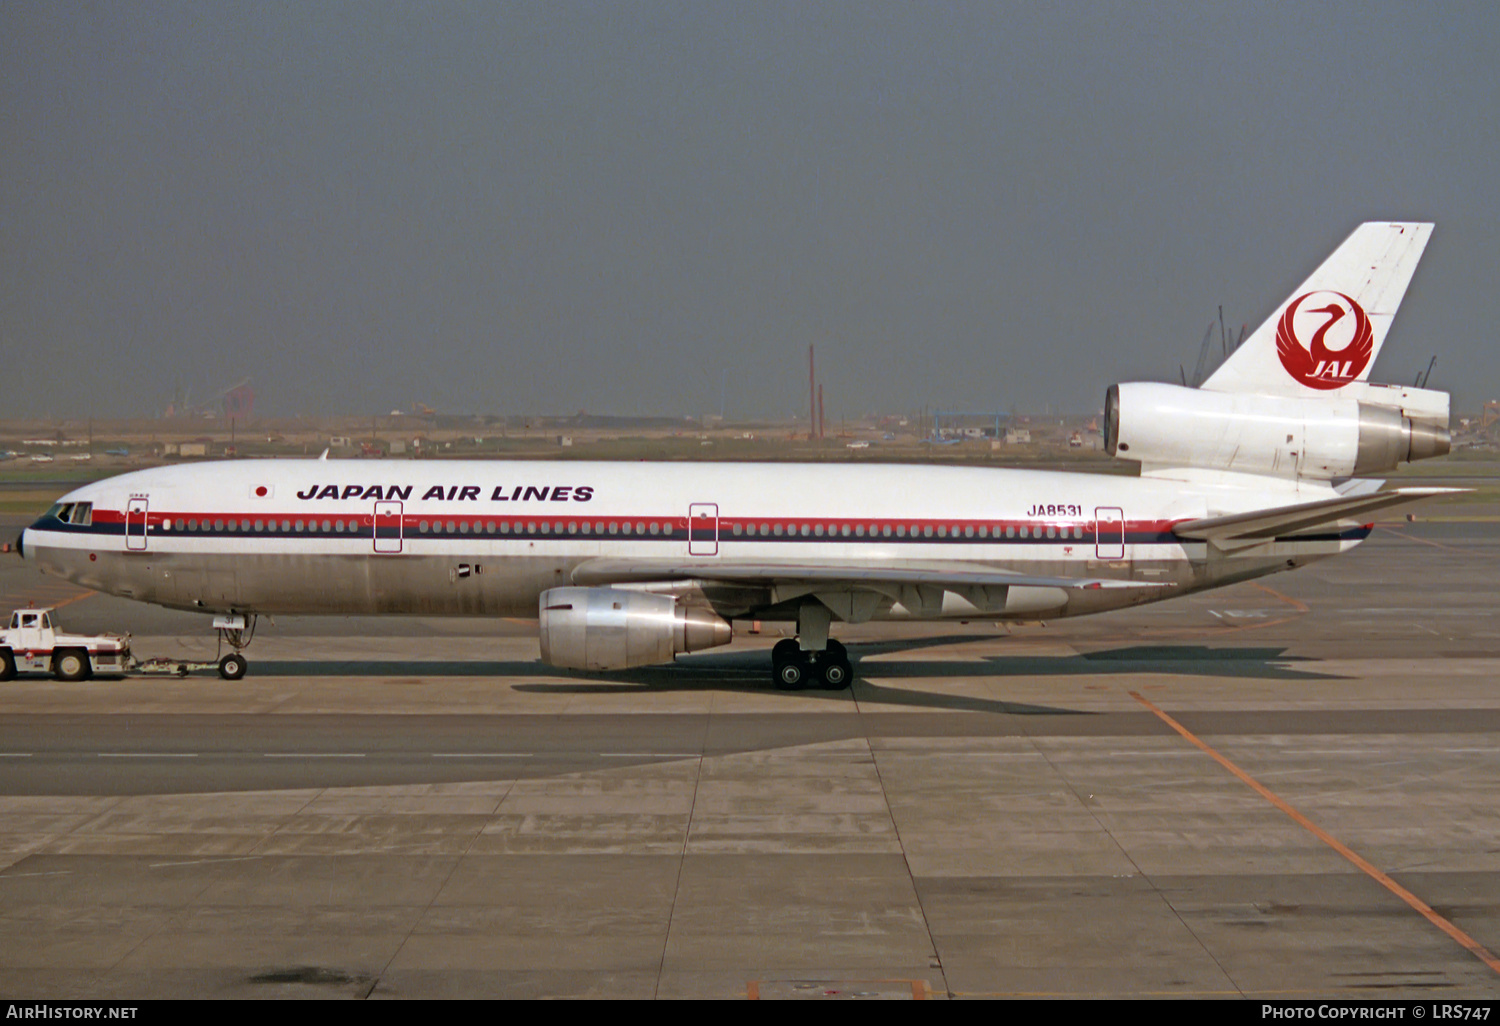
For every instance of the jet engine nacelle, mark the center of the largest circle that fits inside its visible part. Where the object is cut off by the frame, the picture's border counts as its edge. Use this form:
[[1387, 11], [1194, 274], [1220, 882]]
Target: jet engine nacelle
[[614, 629], [1167, 426]]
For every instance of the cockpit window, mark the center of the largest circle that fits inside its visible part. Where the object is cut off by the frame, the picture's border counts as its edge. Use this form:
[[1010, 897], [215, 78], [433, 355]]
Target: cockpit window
[[73, 512]]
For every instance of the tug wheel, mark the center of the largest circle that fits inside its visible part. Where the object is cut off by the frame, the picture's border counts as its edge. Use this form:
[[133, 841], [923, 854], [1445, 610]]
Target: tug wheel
[[71, 665]]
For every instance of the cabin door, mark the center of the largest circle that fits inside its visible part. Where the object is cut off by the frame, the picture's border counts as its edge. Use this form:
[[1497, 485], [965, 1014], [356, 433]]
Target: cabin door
[[135, 525], [1109, 532], [388, 526], [703, 529]]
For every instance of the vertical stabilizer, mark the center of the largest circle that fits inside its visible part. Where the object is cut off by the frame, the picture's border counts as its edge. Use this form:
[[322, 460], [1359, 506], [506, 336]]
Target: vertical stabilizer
[[1327, 334]]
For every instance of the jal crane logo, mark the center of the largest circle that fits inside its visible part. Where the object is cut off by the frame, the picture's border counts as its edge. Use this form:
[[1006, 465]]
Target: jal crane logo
[[1324, 362]]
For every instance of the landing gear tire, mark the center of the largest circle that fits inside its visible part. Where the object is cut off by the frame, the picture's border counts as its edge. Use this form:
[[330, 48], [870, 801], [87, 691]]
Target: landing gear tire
[[7, 665], [71, 665], [233, 666], [785, 651], [836, 674], [792, 675], [837, 650]]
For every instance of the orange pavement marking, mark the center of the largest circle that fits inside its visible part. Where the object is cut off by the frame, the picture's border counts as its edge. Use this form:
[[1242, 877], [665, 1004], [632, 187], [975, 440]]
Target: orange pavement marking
[[1420, 541], [1474, 947], [75, 598]]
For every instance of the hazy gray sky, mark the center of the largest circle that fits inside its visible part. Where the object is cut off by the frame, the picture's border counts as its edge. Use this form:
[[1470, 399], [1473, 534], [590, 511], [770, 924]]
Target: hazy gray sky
[[521, 208]]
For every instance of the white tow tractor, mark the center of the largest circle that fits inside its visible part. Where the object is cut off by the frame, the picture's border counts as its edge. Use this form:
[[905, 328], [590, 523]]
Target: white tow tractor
[[31, 644]]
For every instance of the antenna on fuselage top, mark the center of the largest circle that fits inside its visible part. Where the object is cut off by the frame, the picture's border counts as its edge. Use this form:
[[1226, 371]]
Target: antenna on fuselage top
[[324, 456]]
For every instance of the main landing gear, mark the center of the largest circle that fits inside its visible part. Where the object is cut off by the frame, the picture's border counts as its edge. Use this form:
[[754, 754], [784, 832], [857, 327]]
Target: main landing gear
[[795, 669], [813, 660], [237, 632]]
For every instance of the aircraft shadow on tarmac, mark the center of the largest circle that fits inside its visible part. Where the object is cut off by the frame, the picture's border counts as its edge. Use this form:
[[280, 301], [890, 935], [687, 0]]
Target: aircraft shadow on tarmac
[[745, 671]]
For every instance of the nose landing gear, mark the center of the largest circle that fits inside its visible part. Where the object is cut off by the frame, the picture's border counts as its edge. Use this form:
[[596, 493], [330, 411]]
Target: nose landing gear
[[237, 632]]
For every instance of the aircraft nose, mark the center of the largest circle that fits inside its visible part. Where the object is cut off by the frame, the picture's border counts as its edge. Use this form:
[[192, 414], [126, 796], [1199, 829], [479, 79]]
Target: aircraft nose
[[16, 546]]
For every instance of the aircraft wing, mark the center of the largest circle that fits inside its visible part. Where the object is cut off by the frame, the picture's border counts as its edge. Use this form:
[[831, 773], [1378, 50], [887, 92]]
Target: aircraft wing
[[855, 592], [941, 575], [1241, 530]]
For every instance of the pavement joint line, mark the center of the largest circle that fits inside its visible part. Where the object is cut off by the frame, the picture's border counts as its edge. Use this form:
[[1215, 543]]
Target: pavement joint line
[[687, 840], [911, 876], [1417, 904], [313, 755], [147, 755], [1093, 812], [482, 755]]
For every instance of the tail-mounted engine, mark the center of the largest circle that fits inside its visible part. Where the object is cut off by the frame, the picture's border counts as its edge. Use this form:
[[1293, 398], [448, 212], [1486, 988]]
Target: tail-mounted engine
[[1167, 426], [614, 629]]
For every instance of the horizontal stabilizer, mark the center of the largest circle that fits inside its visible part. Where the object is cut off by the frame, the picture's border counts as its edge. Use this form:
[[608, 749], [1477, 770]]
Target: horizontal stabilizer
[[639, 571], [1243, 529]]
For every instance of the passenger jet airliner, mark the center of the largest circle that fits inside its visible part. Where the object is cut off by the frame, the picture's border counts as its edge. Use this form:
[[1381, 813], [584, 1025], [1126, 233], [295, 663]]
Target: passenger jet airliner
[[628, 564]]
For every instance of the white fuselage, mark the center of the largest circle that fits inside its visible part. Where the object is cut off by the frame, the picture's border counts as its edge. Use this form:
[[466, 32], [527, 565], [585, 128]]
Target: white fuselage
[[488, 537]]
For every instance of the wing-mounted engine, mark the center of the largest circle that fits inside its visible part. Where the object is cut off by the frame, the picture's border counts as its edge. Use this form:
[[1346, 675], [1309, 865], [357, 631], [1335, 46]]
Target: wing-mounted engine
[[1168, 426], [616, 628]]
